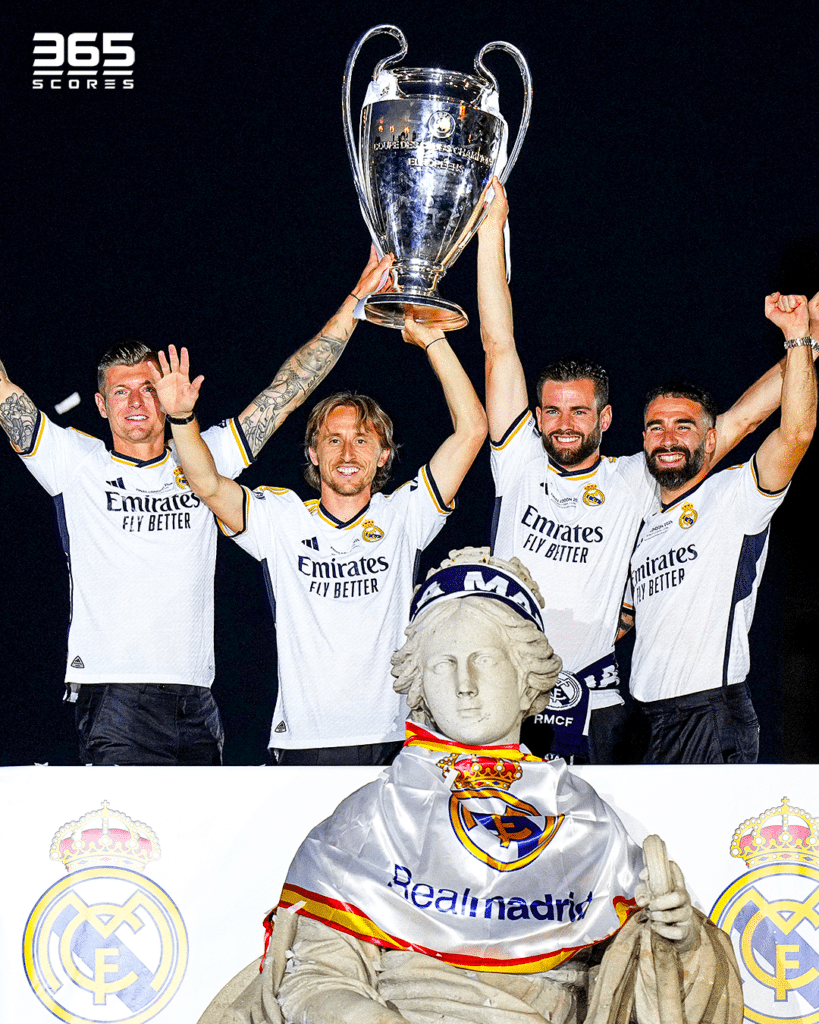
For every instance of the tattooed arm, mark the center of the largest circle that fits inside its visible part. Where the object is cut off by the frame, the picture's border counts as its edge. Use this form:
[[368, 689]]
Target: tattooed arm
[[18, 414], [308, 367]]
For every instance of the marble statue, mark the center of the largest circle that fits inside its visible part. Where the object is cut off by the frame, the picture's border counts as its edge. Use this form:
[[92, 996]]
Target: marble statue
[[472, 883]]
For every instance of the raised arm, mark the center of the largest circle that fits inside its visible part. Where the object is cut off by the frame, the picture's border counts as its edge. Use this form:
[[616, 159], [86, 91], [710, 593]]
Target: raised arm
[[450, 464], [18, 414], [782, 451], [506, 396], [177, 396], [762, 398], [306, 369]]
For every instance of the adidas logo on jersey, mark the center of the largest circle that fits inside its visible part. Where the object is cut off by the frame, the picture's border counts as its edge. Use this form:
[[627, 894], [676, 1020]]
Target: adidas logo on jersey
[[119, 482], [281, 727], [311, 542], [77, 662]]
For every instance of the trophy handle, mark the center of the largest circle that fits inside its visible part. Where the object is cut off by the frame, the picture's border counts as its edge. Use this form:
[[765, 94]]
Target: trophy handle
[[349, 135], [520, 60]]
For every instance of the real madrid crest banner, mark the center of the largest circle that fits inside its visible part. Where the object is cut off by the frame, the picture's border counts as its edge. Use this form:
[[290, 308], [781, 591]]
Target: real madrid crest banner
[[482, 857]]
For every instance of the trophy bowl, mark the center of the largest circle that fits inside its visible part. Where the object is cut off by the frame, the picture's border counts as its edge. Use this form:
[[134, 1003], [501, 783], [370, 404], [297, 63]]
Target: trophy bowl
[[428, 145]]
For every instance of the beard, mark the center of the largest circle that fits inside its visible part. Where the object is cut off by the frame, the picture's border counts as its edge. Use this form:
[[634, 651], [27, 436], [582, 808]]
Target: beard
[[671, 478], [587, 445], [346, 488]]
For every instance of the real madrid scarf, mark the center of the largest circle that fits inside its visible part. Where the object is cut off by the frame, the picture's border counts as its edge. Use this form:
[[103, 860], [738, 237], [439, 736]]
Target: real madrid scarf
[[485, 858]]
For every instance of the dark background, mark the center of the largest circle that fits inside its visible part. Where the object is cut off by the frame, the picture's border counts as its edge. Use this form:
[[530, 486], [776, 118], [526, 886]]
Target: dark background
[[667, 183]]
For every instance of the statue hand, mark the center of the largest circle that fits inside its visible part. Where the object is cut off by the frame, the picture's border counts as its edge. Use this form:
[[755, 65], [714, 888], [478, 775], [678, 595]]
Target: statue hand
[[669, 914]]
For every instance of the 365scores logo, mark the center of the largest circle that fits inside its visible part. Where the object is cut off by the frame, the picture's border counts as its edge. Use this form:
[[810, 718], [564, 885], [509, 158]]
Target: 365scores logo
[[83, 60]]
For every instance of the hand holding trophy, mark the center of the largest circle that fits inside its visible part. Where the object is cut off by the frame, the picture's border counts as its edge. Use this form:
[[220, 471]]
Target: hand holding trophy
[[429, 144]]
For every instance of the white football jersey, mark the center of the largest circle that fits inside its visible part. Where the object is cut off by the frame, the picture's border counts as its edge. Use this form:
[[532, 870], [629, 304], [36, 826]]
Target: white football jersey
[[141, 549], [574, 531], [694, 578], [340, 595]]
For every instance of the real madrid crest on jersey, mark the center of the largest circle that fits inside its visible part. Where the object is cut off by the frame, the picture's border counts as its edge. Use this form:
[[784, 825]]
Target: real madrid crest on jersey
[[772, 915], [179, 477], [592, 495], [105, 943], [370, 532], [688, 516], [493, 825]]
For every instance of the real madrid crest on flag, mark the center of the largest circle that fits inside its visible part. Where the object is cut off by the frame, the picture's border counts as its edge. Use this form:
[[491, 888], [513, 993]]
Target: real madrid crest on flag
[[104, 943], [772, 915], [493, 825]]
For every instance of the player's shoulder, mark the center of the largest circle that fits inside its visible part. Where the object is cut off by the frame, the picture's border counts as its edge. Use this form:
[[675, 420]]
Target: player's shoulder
[[521, 432], [622, 463], [627, 467], [265, 492], [420, 492], [741, 480], [70, 439], [73, 435]]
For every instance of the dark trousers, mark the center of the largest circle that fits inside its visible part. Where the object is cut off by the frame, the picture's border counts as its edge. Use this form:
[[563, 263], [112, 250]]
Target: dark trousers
[[366, 753], [607, 729], [710, 727], [148, 723]]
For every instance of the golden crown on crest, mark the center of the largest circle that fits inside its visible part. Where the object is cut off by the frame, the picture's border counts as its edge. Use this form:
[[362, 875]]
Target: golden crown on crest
[[478, 771], [105, 837], [780, 833]]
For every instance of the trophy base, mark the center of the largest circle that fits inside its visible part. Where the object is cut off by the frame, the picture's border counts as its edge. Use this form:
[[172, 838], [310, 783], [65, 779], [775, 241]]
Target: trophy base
[[390, 308]]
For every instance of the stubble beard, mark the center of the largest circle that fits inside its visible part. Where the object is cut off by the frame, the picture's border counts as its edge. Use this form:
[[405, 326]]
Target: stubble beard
[[347, 489]]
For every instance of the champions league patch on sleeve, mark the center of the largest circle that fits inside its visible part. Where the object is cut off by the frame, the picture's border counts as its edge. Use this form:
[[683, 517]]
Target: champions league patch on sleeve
[[478, 579], [105, 944]]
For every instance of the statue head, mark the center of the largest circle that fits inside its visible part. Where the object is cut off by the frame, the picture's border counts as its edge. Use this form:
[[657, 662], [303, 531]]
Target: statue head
[[476, 661]]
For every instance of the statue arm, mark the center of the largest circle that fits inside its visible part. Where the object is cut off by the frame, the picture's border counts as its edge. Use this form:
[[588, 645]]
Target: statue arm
[[332, 979], [668, 963]]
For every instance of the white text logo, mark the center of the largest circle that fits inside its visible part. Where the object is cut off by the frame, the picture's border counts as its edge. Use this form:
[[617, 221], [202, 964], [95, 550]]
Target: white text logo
[[83, 60]]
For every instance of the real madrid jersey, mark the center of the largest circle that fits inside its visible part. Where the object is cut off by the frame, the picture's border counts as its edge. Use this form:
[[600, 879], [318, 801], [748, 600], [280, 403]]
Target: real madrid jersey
[[141, 548], [694, 578], [574, 531], [340, 595]]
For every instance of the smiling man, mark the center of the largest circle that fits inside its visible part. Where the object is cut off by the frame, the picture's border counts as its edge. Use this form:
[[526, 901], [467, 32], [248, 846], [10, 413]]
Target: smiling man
[[141, 546], [570, 513], [699, 558], [339, 569]]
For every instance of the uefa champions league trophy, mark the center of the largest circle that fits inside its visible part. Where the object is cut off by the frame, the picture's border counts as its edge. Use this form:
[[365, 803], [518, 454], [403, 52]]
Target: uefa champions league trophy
[[429, 143]]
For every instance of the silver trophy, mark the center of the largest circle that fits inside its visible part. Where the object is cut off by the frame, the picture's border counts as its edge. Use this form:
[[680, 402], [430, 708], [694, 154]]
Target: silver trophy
[[429, 143]]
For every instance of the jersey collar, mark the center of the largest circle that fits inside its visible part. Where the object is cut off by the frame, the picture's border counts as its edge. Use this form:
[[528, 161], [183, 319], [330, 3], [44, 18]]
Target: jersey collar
[[683, 497], [129, 460], [576, 474], [328, 517]]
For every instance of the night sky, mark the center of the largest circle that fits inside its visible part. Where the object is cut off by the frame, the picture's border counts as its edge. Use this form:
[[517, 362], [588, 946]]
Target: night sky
[[667, 183]]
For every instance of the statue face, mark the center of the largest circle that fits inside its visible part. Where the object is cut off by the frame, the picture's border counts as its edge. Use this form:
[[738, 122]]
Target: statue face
[[472, 687]]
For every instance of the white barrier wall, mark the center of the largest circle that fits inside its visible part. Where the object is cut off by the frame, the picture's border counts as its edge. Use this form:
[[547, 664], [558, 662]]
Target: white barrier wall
[[111, 944]]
